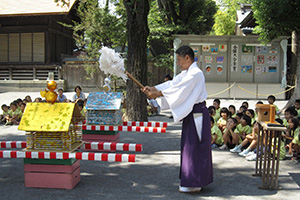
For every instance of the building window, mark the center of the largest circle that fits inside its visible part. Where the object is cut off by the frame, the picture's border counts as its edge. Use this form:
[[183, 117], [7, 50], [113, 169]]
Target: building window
[[22, 48]]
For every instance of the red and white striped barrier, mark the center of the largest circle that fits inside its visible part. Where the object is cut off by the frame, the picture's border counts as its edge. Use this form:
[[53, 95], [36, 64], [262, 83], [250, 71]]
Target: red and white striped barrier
[[124, 128], [112, 146], [110, 157], [13, 144], [90, 145], [148, 124]]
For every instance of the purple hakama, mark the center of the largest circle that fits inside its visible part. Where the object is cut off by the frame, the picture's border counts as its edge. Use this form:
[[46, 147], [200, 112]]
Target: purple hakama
[[196, 160]]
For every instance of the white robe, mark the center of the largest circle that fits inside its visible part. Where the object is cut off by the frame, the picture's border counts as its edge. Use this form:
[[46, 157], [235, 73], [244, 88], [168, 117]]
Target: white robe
[[181, 93]]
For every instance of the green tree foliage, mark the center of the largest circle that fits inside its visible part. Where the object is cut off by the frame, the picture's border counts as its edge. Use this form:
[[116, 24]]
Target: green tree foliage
[[98, 27], [276, 17], [168, 17], [180, 17], [225, 18]]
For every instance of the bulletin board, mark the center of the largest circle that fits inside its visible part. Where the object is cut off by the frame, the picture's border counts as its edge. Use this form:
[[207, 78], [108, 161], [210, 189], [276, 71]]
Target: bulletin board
[[214, 62], [267, 64], [237, 61]]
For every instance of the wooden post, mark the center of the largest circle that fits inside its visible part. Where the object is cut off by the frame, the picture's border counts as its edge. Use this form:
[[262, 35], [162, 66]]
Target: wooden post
[[10, 73], [34, 72]]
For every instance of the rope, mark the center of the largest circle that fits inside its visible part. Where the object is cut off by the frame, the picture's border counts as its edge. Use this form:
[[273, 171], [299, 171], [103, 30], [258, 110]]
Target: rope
[[256, 94], [212, 95], [265, 95]]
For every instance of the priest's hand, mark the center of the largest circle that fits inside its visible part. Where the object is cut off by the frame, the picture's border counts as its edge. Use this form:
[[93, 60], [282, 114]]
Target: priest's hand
[[154, 94], [148, 89], [151, 92]]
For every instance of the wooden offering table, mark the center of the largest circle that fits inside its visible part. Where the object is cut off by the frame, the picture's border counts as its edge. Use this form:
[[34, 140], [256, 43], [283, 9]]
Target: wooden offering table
[[268, 154]]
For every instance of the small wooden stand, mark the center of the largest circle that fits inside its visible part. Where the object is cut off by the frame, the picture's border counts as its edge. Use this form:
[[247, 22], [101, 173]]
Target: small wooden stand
[[43, 173], [267, 165]]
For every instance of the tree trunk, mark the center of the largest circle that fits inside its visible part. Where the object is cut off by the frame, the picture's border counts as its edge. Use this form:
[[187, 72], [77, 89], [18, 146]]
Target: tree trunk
[[295, 69], [137, 30]]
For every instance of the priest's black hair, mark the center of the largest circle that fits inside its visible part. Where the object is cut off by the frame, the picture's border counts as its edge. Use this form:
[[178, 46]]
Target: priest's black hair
[[186, 50]]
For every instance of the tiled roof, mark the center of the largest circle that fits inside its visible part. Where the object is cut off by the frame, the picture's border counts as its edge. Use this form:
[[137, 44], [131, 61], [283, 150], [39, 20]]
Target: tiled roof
[[33, 7]]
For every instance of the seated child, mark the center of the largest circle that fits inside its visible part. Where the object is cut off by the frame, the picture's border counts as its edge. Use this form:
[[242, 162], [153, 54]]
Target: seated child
[[23, 106], [292, 138], [294, 148], [292, 130], [243, 129], [81, 105], [228, 132], [238, 117], [6, 113], [15, 115], [61, 97], [225, 114], [232, 110], [251, 114], [28, 98], [252, 156], [212, 113], [38, 99], [271, 99], [297, 107], [216, 104], [288, 113], [242, 109], [216, 134], [250, 138], [246, 104]]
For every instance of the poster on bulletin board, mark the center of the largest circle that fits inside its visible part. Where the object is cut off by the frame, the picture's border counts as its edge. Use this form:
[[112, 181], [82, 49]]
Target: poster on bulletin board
[[205, 48], [257, 70], [272, 69], [219, 69], [264, 70], [214, 50], [208, 69], [246, 69], [208, 59], [273, 50], [223, 47], [196, 50], [220, 59], [273, 60], [260, 59], [246, 49], [264, 49], [258, 49], [247, 59]]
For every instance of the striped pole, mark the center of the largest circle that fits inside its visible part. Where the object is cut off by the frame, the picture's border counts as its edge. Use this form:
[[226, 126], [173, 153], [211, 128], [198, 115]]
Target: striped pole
[[110, 157], [87, 145], [13, 144], [112, 146], [148, 124], [124, 128]]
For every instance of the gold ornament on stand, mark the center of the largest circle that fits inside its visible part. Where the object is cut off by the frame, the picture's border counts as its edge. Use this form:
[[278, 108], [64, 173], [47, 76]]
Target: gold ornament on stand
[[51, 95]]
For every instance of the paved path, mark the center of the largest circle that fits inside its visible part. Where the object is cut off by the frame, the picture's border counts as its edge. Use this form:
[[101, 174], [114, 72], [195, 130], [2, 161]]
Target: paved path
[[154, 175]]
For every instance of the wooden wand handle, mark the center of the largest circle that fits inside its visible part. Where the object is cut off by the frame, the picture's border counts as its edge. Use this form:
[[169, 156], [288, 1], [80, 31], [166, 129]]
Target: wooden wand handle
[[133, 79]]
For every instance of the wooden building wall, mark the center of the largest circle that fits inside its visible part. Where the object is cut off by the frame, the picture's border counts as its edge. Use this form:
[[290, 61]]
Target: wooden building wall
[[35, 39]]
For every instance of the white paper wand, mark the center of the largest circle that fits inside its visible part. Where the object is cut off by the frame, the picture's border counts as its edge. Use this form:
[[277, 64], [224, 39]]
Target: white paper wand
[[111, 62]]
